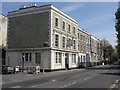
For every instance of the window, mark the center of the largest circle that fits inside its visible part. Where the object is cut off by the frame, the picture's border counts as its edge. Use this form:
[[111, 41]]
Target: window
[[56, 40], [74, 44], [58, 57], [81, 47], [63, 42], [56, 22], [63, 25], [30, 57], [73, 58], [38, 58], [78, 47], [81, 37], [69, 43], [83, 58], [78, 36], [68, 28], [84, 49], [74, 30], [87, 40], [26, 57]]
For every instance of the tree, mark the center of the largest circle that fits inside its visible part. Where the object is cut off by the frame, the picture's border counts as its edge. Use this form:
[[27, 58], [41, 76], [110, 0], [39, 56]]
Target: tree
[[105, 45], [109, 53], [117, 27]]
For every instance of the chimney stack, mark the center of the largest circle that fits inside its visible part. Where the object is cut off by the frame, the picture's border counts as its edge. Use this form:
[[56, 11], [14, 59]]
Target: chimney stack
[[33, 5], [22, 7]]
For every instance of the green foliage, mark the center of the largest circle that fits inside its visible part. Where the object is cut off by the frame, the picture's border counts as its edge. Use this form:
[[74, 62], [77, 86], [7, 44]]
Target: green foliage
[[117, 26], [110, 54], [114, 58]]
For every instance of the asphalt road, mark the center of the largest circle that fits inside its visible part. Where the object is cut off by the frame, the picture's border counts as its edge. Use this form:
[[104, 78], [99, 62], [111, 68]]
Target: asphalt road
[[95, 77]]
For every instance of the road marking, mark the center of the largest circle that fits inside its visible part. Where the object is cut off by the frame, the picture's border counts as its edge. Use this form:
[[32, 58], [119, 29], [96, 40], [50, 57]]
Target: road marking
[[28, 75], [38, 85], [114, 84], [16, 86], [68, 85], [74, 82], [88, 77], [95, 74], [53, 80]]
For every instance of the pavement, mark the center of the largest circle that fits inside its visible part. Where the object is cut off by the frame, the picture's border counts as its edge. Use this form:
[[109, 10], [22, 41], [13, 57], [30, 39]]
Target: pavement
[[94, 77]]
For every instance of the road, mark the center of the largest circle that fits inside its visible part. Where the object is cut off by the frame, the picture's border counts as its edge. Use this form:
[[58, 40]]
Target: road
[[95, 77]]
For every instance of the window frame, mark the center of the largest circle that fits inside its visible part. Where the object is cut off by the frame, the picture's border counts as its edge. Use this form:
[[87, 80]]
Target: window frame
[[63, 41], [27, 57], [74, 30], [63, 25], [56, 40], [56, 22], [39, 54], [73, 58], [74, 44], [69, 27], [58, 57]]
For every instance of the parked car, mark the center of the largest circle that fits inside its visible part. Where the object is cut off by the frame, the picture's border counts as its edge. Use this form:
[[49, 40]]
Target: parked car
[[7, 69]]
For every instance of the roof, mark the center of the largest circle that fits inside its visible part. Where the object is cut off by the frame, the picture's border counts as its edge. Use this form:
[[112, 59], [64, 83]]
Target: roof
[[48, 5]]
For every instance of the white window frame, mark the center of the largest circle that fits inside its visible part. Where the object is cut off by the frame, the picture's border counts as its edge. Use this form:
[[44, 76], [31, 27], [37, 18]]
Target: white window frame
[[63, 43], [78, 35], [36, 53], [69, 42], [74, 44], [57, 22], [58, 57], [74, 30], [55, 40], [69, 28], [63, 25], [73, 58], [29, 57]]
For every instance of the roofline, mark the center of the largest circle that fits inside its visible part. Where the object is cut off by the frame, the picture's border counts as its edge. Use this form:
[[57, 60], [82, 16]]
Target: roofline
[[3, 15], [89, 34], [51, 7], [80, 29], [64, 13], [29, 7]]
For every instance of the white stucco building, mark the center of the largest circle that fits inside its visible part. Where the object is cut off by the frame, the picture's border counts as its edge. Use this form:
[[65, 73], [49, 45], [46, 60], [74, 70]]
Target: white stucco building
[[45, 36]]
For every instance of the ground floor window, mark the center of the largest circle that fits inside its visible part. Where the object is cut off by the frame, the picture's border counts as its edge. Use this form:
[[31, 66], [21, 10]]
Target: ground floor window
[[26, 57], [84, 58], [58, 57], [38, 58], [73, 58], [81, 58]]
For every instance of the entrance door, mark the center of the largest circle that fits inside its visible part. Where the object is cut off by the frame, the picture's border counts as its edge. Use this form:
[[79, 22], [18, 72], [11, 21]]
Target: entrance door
[[66, 60]]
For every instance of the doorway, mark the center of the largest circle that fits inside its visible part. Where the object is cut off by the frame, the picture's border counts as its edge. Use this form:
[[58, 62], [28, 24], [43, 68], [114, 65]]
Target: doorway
[[66, 61]]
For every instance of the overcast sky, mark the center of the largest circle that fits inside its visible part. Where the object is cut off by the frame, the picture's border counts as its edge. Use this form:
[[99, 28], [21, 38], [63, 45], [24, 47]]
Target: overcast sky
[[97, 18]]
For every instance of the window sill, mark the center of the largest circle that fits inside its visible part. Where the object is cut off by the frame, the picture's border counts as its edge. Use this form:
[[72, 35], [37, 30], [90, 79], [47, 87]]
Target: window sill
[[73, 63], [58, 63], [57, 27]]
